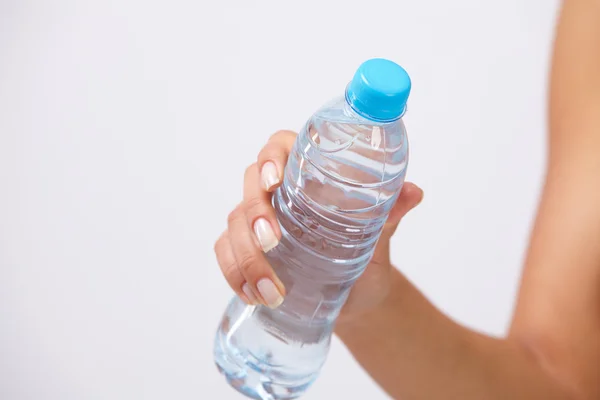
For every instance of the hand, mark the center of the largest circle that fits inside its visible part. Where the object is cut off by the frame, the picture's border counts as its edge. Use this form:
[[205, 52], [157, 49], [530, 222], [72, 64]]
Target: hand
[[253, 230]]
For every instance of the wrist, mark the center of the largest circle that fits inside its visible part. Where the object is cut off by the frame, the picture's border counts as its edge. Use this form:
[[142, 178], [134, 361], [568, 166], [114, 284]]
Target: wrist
[[367, 317]]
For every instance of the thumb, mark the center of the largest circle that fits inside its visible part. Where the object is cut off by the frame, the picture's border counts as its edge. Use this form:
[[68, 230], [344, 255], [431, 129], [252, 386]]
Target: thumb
[[410, 197]]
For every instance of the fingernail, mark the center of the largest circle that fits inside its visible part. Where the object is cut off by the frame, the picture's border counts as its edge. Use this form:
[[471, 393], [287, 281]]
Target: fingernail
[[248, 292], [265, 235], [269, 293], [269, 175]]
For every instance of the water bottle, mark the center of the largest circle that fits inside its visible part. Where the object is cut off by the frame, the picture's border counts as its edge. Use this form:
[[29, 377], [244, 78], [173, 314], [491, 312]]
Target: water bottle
[[342, 178]]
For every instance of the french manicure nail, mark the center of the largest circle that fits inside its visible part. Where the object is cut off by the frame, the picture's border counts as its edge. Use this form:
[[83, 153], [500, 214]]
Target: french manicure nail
[[269, 293], [269, 175], [265, 235], [249, 294]]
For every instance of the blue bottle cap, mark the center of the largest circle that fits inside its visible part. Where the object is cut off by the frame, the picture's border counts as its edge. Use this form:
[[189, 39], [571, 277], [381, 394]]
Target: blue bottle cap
[[379, 90]]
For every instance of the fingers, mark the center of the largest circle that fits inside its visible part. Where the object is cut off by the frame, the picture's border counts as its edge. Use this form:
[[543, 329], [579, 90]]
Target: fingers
[[273, 157], [251, 262], [230, 270], [253, 229], [259, 211]]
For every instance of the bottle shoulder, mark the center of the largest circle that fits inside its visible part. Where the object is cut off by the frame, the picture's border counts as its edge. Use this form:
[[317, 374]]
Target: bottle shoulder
[[337, 122], [350, 146]]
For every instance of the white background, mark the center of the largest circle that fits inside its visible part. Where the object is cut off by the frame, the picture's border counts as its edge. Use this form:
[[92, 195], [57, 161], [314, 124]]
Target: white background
[[125, 127]]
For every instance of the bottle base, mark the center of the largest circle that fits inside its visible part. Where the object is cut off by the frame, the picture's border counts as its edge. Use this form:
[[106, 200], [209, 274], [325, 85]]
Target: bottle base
[[250, 385], [253, 377]]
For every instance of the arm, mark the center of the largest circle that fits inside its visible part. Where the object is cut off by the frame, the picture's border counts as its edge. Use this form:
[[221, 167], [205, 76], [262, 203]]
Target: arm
[[553, 348], [414, 352]]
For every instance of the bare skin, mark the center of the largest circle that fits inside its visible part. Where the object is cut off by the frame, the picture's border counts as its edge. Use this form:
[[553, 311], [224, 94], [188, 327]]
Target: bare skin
[[409, 347]]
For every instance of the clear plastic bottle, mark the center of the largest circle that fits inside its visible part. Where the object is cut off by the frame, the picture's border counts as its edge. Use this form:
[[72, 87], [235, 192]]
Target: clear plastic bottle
[[342, 178]]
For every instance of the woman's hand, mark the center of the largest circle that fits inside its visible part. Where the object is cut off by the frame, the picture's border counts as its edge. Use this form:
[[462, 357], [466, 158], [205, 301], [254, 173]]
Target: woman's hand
[[253, 230]]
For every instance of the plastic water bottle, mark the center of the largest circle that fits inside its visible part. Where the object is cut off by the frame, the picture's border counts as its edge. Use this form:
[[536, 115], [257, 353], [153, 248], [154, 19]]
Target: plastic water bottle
[[342, 178]]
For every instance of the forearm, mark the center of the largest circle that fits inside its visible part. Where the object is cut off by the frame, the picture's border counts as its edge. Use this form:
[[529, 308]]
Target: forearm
[[413, 351]]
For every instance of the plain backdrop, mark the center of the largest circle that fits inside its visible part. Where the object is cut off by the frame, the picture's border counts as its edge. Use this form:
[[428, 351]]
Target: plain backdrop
[[125, 128]]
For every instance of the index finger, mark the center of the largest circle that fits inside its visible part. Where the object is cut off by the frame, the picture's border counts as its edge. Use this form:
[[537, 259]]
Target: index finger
[[273, 158]]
